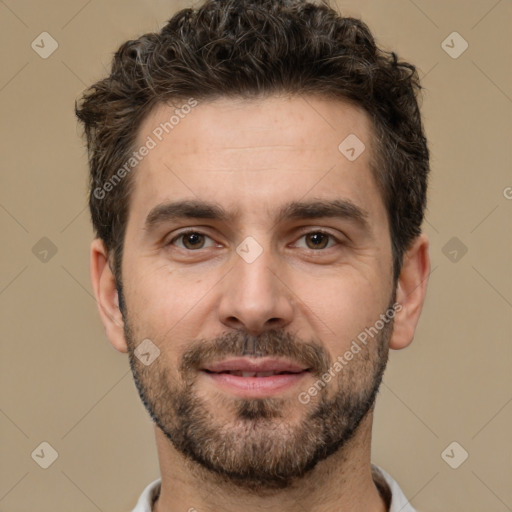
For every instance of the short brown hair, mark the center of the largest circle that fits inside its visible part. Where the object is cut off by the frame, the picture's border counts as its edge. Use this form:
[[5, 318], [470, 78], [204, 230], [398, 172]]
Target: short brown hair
[[255, 48]]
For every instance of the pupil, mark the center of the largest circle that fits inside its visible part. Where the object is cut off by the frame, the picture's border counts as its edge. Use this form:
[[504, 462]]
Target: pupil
[[317, 239], [192, 239]]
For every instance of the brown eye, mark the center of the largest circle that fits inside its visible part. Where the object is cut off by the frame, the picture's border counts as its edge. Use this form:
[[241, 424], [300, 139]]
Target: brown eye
[[191, 240], [317, 240]]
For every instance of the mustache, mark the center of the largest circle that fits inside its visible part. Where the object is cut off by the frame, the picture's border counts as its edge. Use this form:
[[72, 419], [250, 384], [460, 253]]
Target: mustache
[[274, 342]]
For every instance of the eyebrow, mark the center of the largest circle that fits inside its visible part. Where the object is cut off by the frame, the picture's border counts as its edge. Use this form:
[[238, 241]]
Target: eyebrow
[[295, 210], [335, 208], [188, 209]]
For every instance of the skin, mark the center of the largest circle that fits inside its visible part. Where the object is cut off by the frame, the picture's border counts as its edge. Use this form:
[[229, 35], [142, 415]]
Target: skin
[[252, 157]]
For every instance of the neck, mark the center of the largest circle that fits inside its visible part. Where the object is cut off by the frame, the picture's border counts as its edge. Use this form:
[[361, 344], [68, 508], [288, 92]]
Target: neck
[[342, 482]]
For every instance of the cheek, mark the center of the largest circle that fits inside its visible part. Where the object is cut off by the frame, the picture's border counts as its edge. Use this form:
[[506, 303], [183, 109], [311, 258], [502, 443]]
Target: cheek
[[163, 304], [340, 307]]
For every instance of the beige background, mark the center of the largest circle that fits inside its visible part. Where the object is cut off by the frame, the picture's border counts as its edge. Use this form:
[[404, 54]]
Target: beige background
[[61, 381]]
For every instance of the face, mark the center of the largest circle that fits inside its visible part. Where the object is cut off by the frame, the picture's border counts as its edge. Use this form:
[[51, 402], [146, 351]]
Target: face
[[256, 253]]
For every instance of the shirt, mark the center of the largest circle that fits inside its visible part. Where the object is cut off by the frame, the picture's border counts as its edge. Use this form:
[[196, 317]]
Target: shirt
[[387, 486]]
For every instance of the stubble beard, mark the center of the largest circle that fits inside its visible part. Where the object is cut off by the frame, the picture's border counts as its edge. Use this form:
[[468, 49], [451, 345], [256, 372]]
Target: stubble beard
[[259, 449]]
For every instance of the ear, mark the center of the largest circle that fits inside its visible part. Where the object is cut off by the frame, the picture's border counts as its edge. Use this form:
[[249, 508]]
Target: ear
[[410, 292], [105, 291]]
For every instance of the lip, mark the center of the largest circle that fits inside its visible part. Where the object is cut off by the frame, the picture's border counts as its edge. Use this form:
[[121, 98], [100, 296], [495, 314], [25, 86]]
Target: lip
[[255, 386], [245, 364]]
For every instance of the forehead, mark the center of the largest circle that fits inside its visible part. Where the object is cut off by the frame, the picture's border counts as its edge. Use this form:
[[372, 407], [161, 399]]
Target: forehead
[[246, 153], [303, 123]]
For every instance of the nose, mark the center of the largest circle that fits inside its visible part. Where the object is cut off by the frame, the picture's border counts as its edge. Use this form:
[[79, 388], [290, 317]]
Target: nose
[[255, 297]]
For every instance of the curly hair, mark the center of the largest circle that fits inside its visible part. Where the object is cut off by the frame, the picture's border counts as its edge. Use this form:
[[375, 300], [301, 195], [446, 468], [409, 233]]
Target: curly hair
[[256, 48]]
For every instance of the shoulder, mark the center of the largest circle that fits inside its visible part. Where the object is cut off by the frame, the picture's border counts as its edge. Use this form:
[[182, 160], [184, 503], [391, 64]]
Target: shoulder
[[148, 496], [391, 491]]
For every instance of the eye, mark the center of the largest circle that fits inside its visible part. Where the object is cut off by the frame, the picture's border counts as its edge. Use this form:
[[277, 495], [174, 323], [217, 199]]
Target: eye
[[191, 240], [316, 240]]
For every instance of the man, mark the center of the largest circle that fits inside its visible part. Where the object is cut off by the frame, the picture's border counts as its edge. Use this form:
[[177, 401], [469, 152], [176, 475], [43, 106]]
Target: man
[[258, 183]]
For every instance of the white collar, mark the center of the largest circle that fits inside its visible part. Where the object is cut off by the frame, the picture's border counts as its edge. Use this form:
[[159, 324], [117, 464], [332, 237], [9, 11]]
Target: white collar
[[399, 503]]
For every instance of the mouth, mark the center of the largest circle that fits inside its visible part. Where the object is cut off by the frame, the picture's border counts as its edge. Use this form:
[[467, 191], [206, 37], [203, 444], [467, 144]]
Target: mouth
[[240, 373], [254, 378]]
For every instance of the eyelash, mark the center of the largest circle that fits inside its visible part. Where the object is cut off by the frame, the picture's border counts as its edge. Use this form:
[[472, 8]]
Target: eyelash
[[195, 232]]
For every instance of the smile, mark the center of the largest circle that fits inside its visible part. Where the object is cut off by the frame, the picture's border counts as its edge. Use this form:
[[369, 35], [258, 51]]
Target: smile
[[254, 378], [240, 373]]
